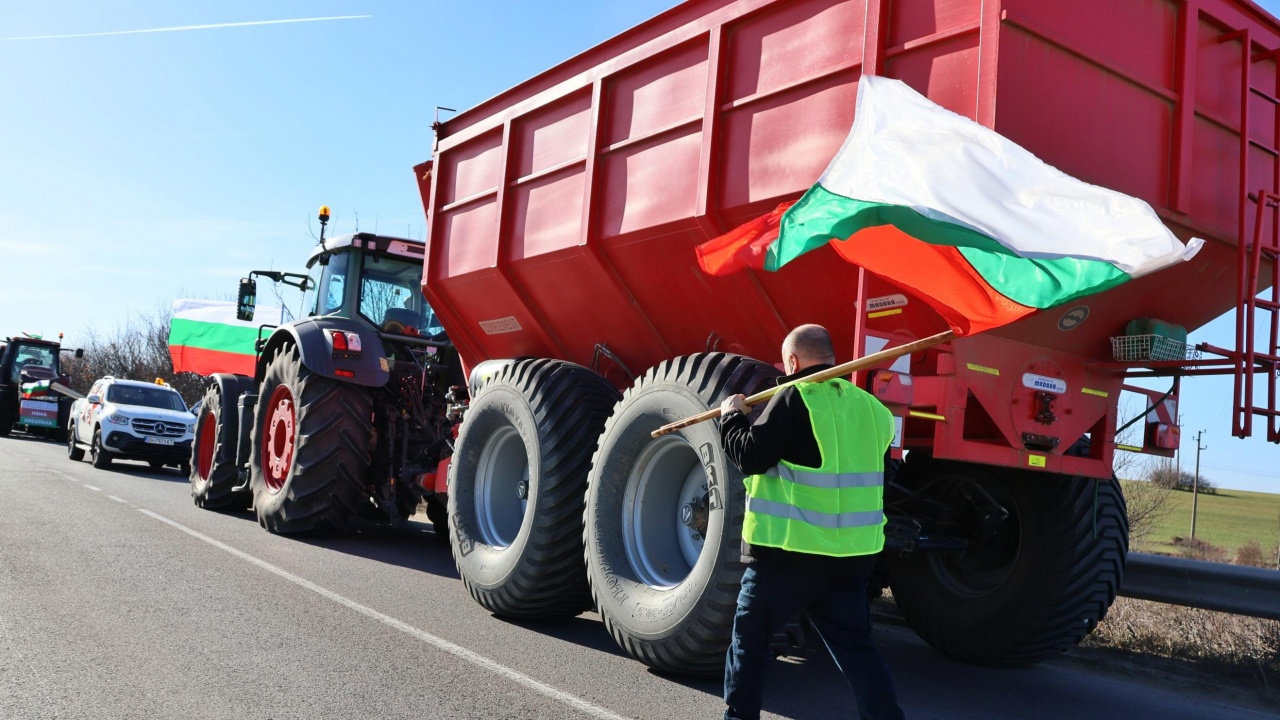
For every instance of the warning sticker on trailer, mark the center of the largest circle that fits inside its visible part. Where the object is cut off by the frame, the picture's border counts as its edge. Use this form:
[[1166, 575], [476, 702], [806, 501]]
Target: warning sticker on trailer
[[501, 325]]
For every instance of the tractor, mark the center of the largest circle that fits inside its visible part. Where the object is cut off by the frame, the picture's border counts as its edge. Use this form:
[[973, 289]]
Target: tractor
[[350, 411]]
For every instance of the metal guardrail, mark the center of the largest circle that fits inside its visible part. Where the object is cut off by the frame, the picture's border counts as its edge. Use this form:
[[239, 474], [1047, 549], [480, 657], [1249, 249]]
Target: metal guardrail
[[1254, 592]]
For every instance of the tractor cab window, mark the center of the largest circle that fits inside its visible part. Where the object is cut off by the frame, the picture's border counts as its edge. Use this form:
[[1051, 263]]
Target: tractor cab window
[[391, 298], [39, 355], [331, 291]]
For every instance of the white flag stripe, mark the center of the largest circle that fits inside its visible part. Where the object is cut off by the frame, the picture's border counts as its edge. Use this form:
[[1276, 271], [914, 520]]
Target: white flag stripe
[[905, 150], [222, 312]]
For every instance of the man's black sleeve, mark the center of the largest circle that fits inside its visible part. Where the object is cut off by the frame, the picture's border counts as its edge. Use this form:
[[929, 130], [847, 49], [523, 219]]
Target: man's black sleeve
[[756, 448]]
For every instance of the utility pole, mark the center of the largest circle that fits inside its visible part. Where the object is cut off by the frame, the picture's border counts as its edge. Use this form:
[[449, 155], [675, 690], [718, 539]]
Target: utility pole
[[1177, 452], [1195, 486]]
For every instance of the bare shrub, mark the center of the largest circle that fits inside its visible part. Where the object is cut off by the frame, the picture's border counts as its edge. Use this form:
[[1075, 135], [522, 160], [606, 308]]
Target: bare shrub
[[1148, 505], [1164, 475], [1220, 643], [1200, 549], [138, 350], [1167, 475], [1250, 554]]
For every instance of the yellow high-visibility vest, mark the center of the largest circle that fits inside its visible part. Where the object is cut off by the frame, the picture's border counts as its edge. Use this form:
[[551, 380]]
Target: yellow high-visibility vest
[[836, 509]]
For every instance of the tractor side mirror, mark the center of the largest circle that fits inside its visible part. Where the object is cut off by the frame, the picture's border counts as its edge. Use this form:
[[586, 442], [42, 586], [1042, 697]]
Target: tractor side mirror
[[79, 353], [247, 299]]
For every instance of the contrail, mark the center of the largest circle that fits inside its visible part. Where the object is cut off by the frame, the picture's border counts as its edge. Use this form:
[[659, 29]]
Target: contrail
[[190, 27]]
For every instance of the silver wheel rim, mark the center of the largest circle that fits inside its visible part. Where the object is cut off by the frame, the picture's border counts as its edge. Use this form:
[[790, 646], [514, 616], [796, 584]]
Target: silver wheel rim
[[502, 471], [667, 476]]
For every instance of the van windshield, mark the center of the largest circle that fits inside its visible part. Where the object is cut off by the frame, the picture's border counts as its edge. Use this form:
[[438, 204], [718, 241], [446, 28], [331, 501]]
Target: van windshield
[[145, 396]]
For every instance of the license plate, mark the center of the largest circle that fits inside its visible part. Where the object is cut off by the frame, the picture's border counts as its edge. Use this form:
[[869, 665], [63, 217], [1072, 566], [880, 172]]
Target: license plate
[[160, 441]]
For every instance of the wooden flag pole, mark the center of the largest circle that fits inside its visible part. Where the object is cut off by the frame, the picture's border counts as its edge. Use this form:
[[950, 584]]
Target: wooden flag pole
[[852, 366]]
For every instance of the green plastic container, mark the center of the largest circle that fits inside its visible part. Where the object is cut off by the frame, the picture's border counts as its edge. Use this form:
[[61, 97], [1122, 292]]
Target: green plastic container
[[1152, 326]]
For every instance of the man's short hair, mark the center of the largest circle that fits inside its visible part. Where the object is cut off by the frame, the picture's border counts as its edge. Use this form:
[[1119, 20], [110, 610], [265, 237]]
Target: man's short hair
[[809, 342]]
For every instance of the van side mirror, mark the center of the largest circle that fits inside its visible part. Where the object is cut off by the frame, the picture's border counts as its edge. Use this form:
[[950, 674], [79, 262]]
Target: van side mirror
[[94, 399], [247, 299]]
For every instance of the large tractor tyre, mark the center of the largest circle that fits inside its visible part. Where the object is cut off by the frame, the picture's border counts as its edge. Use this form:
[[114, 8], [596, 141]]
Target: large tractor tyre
[[663, 524], [518, 476], [99, 456], [310, 448], [75, 453], [1031, 586], [212, 468]]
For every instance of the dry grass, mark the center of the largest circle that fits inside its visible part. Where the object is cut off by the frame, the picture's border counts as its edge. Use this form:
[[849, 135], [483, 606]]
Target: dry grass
[[1212, 645]]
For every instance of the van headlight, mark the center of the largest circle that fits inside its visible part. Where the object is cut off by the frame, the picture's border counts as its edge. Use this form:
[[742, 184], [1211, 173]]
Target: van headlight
[[118, 419]]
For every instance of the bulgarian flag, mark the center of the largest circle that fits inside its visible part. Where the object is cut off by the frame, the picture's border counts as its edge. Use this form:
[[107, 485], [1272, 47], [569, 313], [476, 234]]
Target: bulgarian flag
[[977, 227], [205, 337], [37, 389]]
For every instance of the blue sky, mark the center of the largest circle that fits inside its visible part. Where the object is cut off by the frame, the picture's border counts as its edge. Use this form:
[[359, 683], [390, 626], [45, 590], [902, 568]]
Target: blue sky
[[139, 168]]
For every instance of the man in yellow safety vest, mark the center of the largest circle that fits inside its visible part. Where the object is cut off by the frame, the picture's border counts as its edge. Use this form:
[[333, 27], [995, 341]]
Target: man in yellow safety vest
[[814, 461]]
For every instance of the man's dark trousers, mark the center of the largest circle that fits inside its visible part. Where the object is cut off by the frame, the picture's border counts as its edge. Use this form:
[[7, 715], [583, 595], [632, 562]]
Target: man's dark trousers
[[775, 590]]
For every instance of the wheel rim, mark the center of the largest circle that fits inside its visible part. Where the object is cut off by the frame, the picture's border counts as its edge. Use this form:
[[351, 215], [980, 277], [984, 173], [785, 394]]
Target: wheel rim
[[71, 441], [661, 548], [277, 441], [502, 487], [989, 562], [94, 447], [205, 444]]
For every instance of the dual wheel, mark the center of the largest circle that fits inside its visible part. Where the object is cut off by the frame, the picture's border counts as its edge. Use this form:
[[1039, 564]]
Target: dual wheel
[[308, 448], [560, 500], [552, 467]]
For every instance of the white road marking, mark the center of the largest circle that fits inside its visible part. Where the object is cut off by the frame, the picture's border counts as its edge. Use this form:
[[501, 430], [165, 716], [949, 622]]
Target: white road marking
[[119, 500], [95, 489], [457, 651]]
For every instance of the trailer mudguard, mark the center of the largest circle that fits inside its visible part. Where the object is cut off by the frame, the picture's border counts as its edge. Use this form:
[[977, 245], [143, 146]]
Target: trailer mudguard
[[368, 367]]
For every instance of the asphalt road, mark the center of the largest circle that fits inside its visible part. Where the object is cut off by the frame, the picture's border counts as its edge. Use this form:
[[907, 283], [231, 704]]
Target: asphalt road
[[121, 599]]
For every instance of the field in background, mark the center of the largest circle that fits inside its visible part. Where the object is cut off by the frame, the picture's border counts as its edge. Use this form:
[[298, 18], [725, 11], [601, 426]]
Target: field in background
[[1228, 520]]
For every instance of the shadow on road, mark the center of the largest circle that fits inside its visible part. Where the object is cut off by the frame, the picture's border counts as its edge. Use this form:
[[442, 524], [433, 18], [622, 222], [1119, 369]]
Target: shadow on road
[[586, 631], [413, 545], [143, 471]]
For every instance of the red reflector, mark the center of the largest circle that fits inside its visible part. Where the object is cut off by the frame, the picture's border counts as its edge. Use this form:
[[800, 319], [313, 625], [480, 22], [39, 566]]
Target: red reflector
[[339, 340], [344, 373]]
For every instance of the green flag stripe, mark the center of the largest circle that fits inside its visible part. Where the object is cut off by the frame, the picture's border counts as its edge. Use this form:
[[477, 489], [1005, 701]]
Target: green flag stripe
[[213, 336], [822, 215]]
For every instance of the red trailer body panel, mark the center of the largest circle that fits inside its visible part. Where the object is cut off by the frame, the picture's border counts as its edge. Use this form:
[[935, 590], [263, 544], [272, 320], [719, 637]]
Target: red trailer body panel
[[563, 213]]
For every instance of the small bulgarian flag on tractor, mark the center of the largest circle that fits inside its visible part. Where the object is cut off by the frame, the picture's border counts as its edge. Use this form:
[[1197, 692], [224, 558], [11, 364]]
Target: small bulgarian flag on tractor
[[37, 389]]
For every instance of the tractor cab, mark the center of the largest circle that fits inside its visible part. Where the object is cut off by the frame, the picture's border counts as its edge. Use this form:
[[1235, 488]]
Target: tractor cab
[[375, 279], [36, 359]]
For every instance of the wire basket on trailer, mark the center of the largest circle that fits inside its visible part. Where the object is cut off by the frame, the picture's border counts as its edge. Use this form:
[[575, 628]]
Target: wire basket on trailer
[[1151, 348]]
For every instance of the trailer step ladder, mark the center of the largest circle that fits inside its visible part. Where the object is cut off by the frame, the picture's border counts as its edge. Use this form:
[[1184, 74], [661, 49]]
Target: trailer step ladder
[[1254, 258]]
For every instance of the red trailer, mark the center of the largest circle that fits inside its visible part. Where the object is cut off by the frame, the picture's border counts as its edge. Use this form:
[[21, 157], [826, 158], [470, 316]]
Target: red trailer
[[563, 215]]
